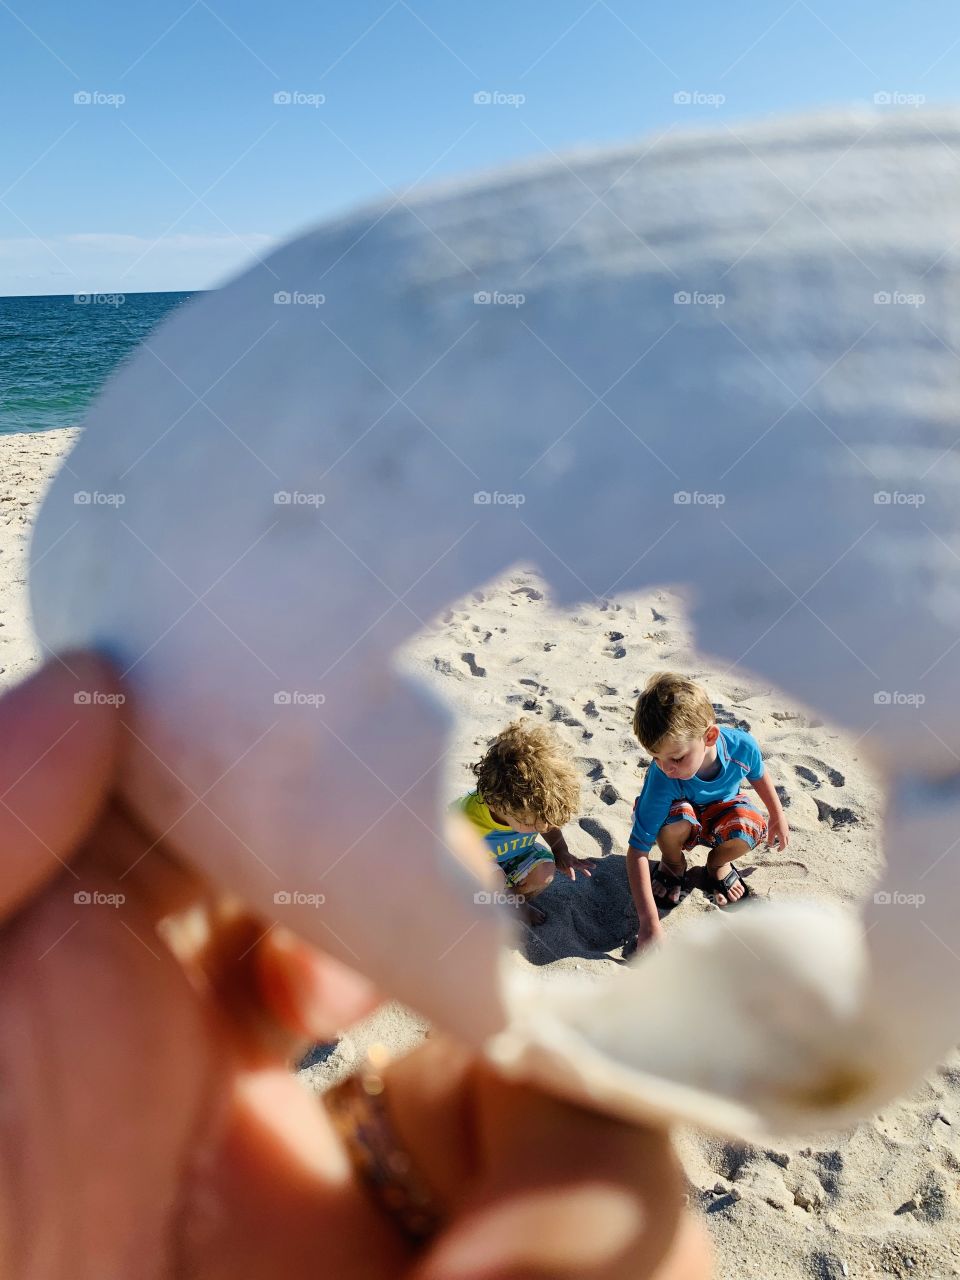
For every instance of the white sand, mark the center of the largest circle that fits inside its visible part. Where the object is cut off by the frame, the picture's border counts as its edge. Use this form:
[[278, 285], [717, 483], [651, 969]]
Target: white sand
[[883, 1200]]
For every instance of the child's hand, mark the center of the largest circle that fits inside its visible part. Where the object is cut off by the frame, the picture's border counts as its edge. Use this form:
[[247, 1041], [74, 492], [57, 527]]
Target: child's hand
[[569, 865], [778, 833]]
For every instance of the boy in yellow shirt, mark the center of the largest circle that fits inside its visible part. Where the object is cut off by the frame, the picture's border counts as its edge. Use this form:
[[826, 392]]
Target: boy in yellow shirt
[[527, 787]]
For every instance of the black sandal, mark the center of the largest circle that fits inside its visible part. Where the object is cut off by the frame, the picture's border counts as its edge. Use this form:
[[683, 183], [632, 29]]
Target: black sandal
[[664, 876], [715, 885]]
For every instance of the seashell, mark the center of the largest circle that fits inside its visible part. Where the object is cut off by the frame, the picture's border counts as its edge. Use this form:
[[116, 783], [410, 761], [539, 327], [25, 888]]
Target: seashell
[[717, 360]]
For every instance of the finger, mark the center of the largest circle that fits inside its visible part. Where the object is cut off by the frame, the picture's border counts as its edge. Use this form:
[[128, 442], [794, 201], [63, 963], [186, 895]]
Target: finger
[[57, 760], [311, 995], [523, 1212], [276, 994]]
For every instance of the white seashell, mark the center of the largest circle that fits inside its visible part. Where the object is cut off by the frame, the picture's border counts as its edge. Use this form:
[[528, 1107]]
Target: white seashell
[[600, 400]]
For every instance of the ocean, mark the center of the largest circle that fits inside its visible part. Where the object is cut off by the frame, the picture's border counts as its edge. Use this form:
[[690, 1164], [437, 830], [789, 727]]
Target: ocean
[[56, 352]]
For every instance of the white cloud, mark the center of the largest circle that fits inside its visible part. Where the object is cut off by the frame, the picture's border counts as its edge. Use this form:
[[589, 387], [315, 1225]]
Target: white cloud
[[115, 262]]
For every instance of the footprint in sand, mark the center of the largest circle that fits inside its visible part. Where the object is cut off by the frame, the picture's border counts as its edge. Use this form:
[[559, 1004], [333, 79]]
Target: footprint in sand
[[591, 767], [809, 773], [842, 817], [529, 592], [606, 690], [564, 716], [609, 793], [590, 709], [471, 661], [548, 645], [537, 687], [728, 718], [615, 649], [445, 669], [599, 833]]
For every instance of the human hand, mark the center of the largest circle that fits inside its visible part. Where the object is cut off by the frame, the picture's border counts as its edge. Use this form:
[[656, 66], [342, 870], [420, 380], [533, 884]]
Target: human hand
[[778, 832], [568, 865], [152, 1124]]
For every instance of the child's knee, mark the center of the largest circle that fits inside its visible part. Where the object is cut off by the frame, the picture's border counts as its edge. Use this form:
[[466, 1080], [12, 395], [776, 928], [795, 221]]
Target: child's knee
[[674, 835], [538, 878]]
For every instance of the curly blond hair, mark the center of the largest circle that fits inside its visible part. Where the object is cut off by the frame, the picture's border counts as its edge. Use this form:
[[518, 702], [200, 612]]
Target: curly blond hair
[[671, 706], [527, 773]]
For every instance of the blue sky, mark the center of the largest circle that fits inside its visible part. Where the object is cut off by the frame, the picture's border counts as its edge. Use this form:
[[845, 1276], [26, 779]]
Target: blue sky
[[198, 168]]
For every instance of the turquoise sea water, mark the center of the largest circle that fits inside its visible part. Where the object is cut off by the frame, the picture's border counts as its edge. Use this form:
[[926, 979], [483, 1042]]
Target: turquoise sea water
[[56, 353]]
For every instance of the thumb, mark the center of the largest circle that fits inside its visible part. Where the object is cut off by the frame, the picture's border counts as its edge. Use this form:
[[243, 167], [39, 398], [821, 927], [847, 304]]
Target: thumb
[[59, 733]]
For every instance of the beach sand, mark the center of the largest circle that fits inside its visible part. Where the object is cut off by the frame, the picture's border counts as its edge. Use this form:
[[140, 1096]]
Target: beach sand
[[882, 1200]]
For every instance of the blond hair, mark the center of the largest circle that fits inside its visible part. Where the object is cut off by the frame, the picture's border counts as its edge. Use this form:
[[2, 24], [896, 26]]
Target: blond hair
[[671, 706], [527, 773]]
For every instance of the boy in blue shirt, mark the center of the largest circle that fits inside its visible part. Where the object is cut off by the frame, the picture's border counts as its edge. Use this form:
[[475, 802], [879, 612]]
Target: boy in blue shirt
[[691, 795]]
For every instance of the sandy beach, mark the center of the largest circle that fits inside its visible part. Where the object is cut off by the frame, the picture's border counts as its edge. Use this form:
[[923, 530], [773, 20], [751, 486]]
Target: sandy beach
[[882, 1200]]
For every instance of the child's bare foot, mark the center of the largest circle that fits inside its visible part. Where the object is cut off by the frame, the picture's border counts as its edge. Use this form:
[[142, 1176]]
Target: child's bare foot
[[667, 883], [725, 884], [530, 914]]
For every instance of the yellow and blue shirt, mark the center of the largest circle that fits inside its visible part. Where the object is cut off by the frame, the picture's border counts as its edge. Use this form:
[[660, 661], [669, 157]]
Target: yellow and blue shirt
[[516, 852]]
